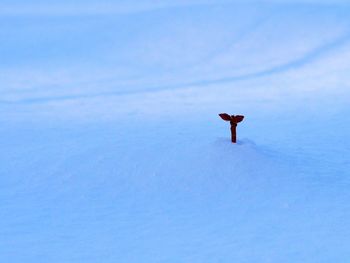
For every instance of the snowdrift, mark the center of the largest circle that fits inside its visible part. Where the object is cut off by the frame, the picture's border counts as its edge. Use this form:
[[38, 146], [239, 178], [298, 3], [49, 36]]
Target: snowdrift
[[112, 149]]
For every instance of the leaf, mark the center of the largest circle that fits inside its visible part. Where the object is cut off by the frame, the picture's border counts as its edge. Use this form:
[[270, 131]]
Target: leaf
[[225, 116], [239, 118]]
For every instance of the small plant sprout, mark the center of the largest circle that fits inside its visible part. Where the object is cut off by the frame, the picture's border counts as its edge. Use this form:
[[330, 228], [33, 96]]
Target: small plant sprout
[[234, 120]]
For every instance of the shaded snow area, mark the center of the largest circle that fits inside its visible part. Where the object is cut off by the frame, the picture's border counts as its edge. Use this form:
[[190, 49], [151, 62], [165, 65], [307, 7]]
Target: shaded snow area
[[112, 149]]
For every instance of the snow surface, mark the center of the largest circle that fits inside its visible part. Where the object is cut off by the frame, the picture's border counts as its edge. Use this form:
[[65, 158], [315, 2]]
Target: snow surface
[[112, 150]]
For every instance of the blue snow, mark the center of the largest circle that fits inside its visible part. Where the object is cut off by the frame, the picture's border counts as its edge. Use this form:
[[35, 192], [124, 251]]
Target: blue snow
[[112, 149]]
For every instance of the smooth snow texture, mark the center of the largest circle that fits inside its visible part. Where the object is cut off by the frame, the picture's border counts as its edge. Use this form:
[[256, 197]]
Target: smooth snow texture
[[112, 149]]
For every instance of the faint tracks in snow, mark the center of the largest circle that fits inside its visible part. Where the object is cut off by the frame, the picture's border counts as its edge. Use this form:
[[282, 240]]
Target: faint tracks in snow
[[308, 58]]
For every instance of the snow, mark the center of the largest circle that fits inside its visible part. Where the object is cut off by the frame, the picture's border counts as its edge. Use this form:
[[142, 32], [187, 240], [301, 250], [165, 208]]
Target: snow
[[112, 149]]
